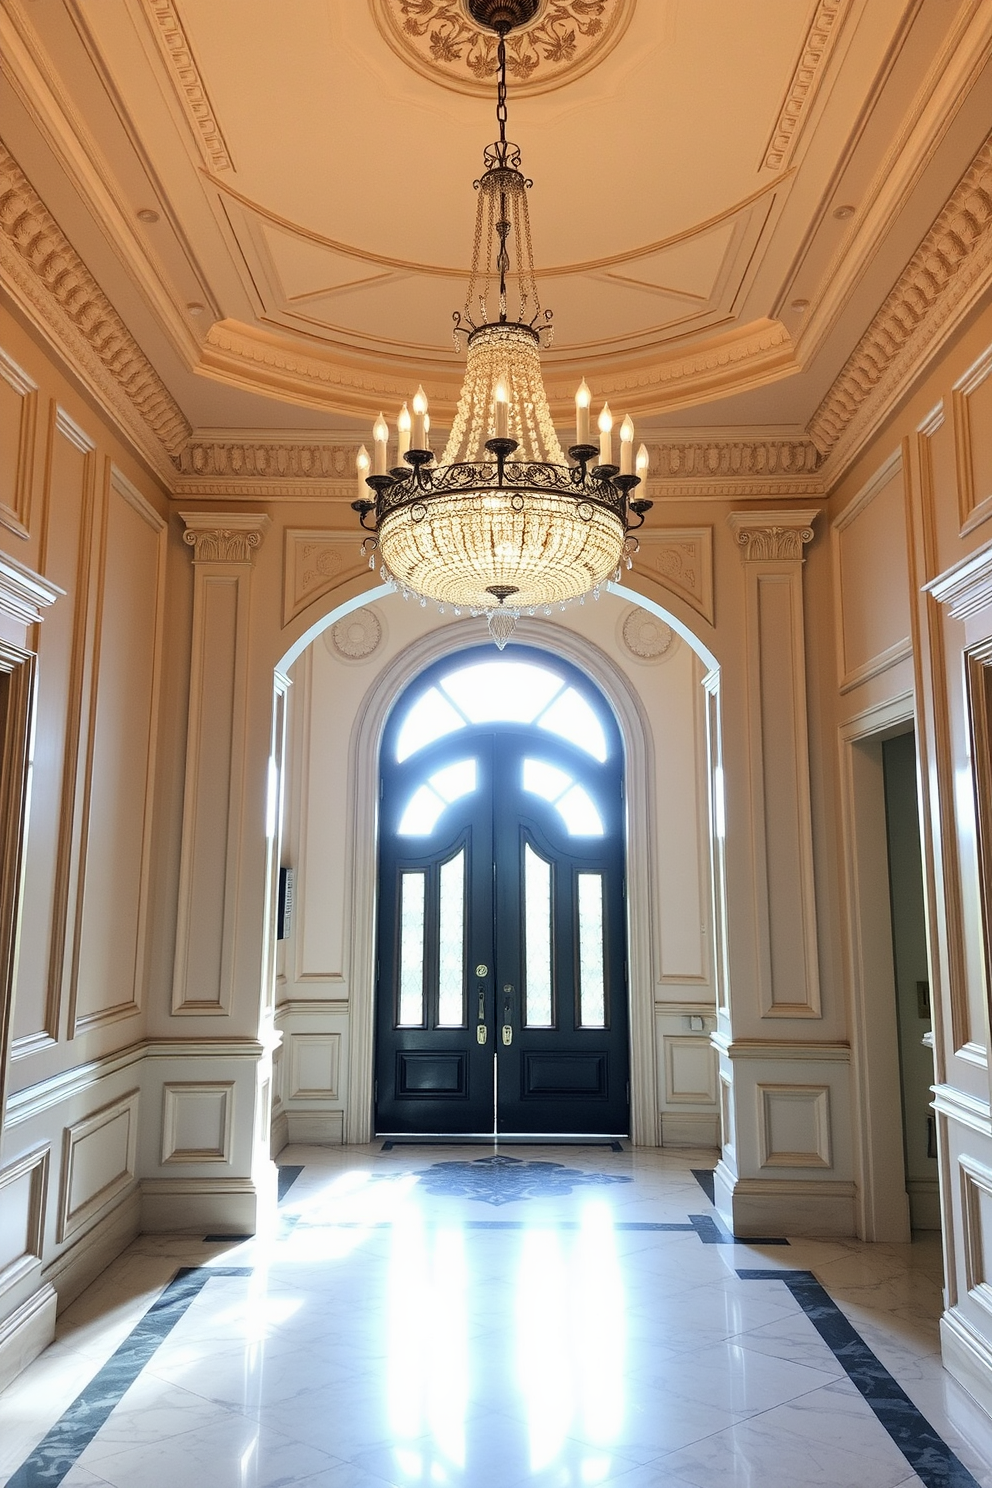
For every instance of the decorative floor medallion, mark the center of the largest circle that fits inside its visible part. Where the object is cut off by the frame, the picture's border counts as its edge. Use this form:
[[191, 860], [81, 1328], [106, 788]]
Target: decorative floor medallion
[[506, 1180], [441, 40]]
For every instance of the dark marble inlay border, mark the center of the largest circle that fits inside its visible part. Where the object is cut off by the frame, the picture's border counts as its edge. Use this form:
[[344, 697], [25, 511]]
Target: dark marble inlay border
[[288, 1175], [612, 1144], [57, 1453], [923, 1448], [704, 1177]]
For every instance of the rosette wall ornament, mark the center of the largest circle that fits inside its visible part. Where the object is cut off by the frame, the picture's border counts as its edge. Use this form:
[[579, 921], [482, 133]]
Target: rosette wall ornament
[[504, 524]]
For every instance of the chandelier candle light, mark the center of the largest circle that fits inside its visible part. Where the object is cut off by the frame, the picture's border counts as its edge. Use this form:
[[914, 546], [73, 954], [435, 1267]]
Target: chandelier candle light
[[503, 524]]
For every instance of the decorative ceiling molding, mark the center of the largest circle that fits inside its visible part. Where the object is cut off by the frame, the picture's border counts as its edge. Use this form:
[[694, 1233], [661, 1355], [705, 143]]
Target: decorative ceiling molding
[[737, 459], [170, 33], [939, 286], [440, 40], [55, 289], [823, 31], [735, 361]]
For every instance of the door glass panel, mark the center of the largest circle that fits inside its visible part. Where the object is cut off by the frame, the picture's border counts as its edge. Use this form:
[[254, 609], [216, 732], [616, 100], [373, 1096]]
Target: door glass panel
[[428, 801], [573, 718], [451, 944], [537, 940], [501, 691], [545, 780], [412, 950], [579, 814], [573, 802], [592, 987], [430, 718]]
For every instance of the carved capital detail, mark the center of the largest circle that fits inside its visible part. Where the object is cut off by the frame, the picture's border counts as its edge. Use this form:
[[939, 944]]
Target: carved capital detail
[[772, 537], [217, 537]]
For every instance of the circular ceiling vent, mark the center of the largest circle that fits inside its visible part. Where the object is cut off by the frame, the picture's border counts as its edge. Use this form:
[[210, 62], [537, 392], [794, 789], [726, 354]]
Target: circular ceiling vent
[[442, 41]]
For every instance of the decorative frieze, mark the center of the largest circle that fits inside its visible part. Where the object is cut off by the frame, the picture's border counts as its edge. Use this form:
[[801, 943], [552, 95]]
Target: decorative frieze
[[216, 537]]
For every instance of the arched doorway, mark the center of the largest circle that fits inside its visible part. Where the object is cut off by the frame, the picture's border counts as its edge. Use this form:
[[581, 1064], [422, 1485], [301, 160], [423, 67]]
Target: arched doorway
[[501, 997]]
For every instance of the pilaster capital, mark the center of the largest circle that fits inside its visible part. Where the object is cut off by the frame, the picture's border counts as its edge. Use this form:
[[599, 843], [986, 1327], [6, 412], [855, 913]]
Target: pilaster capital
[[224, 537], [772, 536]]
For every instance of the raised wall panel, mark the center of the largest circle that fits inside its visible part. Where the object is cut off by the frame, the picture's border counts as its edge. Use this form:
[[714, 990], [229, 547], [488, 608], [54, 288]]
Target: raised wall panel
[[197, 1121], [17, 687], [794, 1126], [23, 1188], [976, 1195], [691, 1071], [107, 976], [973, 440], [314, 1062], [98, 1162], [51, 857], [18, 417], [682, 871], [871, 578]]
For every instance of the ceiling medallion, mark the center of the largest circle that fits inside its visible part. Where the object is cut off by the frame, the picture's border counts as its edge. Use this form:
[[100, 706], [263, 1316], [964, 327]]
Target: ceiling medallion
[[504, 524], [645, 637], [552, 41]]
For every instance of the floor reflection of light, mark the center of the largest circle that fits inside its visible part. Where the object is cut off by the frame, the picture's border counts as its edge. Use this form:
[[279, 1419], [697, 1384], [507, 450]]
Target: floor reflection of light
[[247, 1465], [334, 1222], [571, 1338], [427, 1364]]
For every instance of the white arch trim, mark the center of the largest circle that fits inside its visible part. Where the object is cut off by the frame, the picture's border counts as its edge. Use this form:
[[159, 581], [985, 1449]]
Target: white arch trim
[[362, 844]]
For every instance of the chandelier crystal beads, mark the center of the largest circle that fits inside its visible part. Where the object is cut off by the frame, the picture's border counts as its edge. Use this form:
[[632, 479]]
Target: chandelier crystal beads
[[504, 524]]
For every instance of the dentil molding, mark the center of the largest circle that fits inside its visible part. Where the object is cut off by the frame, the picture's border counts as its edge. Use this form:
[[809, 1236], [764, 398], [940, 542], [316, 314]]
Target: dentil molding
[[771, 537], [805, 81], [60, 295], [936, 290], [170, 33], [223, 537]]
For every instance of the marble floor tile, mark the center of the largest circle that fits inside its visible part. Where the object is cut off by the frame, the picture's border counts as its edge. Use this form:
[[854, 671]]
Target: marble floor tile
[[425, 1316]]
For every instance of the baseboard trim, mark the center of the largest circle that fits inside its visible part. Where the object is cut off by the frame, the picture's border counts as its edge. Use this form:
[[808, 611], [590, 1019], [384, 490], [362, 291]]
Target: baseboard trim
[[924, 1203], [197, 1206], [72, 1270], [28, 1330], [690, 1129], [785, 1206], [968, 1357], [315, 1128], [279, 1134]]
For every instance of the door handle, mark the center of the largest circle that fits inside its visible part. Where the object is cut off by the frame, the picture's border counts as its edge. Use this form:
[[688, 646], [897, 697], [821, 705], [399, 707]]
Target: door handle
[[507, 1014]]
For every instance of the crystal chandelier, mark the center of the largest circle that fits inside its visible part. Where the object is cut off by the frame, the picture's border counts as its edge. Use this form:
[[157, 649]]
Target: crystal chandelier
[[503, 525]]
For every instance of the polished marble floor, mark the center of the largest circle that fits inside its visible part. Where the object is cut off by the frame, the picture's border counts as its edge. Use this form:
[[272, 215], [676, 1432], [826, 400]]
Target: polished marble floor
[[453, 1316]]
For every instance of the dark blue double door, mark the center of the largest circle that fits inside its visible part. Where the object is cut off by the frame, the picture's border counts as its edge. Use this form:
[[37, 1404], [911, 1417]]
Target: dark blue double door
[[501, 997]]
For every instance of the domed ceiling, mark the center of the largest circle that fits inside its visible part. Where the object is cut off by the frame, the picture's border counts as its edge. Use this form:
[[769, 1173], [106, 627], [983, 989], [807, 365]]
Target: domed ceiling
[[278, 198]]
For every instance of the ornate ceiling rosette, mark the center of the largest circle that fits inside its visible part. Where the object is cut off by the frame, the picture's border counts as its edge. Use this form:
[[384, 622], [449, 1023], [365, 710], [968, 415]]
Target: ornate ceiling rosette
[[441, 40]]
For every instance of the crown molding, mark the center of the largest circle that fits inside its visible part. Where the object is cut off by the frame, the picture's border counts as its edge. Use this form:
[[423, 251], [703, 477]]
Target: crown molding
[[814, 54], [939, 287], [51, 285]]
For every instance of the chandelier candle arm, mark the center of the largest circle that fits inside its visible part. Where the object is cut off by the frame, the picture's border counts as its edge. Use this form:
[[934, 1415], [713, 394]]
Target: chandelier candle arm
[[583, 398], [627, 446], [419, 434], [380, 434], [606, 436], [404, 424], [363, 467]]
